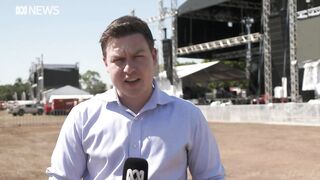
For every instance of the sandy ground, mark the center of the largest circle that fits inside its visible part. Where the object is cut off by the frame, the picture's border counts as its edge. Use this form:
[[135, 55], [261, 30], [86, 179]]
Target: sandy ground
[[248, 151]]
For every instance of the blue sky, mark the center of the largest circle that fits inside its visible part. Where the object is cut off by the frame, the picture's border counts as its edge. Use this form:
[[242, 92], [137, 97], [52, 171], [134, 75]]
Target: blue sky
[[68, 32]]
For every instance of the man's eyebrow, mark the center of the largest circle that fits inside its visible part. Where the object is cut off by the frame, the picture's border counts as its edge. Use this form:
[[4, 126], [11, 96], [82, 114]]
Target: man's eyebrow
[[116, 54], [116, 57], [139, 51]]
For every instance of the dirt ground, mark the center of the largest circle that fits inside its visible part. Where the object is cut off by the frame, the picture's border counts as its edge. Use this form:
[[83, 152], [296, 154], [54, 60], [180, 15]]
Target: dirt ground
[[248, 151]]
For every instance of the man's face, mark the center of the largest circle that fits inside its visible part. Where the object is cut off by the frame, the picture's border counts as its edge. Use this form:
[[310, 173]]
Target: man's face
[[130, 64]]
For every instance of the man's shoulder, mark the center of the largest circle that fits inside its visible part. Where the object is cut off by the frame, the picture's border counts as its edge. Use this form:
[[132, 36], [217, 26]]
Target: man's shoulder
[[184, 111], [177, 101], [96, 101]]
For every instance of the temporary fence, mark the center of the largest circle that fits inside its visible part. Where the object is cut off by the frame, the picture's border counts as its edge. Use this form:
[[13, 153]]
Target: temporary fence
[[7, 119], [282, 113]]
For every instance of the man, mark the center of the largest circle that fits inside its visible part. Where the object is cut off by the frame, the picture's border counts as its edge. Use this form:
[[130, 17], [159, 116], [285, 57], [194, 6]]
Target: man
[[134, 119]]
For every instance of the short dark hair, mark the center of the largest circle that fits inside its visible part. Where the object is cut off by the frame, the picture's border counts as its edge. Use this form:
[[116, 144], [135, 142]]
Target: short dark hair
[[123, 26]]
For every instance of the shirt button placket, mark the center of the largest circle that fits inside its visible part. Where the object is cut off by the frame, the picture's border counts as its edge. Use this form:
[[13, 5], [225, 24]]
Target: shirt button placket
[[135, 139]]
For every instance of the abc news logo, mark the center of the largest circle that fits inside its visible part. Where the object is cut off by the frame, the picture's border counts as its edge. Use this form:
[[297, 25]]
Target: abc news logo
[[135, 174], [37, 10]]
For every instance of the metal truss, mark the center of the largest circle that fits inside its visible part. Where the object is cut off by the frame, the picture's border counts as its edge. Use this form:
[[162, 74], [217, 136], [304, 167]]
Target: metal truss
[[163, 15], [308, 13], [292, 8], [219, 44], [174, 38], [267, 51]]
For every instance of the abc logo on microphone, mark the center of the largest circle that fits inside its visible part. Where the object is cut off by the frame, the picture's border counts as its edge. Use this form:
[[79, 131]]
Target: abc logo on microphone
[[135, 169], [135, 174]]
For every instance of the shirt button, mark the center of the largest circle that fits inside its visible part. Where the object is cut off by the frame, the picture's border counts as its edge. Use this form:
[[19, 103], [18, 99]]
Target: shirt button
[[134, 146]]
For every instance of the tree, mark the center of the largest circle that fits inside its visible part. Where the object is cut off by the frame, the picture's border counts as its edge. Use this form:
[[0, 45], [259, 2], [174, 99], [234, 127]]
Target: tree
[[243, 84], [6, 93], [19, 87], [90, 81]]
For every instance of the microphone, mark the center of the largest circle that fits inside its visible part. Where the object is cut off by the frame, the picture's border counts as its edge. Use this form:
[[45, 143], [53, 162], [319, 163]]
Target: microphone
[[135, 169]]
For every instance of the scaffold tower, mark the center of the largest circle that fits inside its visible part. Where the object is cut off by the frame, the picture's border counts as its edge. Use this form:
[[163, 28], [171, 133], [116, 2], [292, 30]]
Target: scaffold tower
[[174, 38], [267, 51], [161, 34], [292, 8]]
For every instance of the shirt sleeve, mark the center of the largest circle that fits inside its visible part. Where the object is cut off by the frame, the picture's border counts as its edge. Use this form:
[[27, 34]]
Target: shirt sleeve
[[203, 155], [68, 159]]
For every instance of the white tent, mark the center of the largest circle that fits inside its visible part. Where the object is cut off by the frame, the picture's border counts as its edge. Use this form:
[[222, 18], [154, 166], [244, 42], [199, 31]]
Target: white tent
[[188, 75], [66, 92], [210, 71]]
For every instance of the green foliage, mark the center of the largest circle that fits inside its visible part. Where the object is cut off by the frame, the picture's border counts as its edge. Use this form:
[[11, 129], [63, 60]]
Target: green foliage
[[7, 91], [90, 81], [235, 64], [221, 84], [243, 84]]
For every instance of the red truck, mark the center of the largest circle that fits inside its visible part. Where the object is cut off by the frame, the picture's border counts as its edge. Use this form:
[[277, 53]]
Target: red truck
[[62, 104]]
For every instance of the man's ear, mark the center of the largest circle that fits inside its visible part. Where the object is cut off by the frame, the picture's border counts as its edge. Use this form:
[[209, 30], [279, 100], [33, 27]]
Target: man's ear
[[105, 63], [154, 55]]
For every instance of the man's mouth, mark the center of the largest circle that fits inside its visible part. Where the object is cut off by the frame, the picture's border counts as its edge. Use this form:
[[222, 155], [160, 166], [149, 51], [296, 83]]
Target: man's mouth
[[132, 80]]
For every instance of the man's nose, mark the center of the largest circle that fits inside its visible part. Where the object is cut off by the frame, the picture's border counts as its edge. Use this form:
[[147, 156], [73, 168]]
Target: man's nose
[[129, 67]]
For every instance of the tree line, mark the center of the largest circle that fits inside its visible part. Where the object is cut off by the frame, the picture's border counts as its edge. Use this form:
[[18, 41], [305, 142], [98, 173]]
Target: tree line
[[90, 81]]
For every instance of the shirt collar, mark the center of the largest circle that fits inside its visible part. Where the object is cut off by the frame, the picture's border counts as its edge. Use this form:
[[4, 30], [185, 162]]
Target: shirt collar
[[111, 96], [158, 97]]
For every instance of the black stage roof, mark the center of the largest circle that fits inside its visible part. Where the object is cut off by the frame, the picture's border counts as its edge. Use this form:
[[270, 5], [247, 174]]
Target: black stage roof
[[193, 5], [201, 21]]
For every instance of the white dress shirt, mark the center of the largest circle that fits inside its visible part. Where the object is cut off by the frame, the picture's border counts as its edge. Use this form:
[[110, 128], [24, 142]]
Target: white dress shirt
[[170, 133]]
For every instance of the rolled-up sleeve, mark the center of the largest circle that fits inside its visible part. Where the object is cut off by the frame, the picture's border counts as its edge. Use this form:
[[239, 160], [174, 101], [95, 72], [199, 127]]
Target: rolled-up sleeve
[[203, 155], [68, 159]]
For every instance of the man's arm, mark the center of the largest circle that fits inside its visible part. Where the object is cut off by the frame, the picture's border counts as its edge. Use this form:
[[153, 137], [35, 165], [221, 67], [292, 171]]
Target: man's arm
[[68, 160], [203, 156]]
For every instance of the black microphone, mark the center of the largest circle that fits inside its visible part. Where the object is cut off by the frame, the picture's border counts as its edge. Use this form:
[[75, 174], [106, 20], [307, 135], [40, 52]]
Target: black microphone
[[135, 169]]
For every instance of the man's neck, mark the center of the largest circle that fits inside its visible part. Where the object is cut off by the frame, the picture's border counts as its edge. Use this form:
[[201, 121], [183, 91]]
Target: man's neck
[[135, 104]]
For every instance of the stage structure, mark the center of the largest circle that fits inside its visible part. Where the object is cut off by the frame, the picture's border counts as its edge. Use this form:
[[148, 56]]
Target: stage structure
[[44, 77], [213, 30], [217, 30], [227, 30]]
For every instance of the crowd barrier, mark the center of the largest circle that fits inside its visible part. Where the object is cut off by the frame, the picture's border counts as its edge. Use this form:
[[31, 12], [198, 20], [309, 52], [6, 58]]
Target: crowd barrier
[[282, 113], [7, 120]]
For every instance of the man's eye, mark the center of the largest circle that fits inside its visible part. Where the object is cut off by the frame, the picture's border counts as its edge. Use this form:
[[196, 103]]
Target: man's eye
[[139, 56], [117, 60]]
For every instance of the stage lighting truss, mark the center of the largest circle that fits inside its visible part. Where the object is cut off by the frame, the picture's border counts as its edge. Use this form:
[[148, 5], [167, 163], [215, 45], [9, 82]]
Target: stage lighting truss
[[219, 44], [308, 13]]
